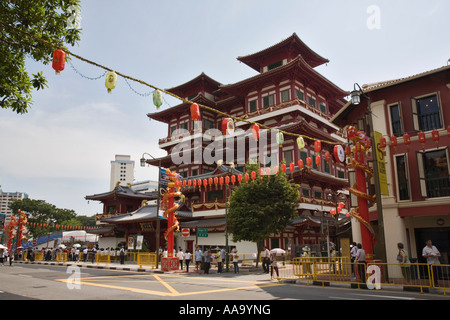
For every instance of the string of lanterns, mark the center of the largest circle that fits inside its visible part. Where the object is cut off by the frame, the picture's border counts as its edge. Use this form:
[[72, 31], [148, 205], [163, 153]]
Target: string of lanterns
[[60, 226], [421, 137]]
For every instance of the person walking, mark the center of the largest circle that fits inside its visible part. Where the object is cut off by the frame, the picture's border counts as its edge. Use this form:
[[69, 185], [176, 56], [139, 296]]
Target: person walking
[[207, 261], [187, 259], [180, 256], [122, 255], [432, 254], [220, 260], [274, 265], [235, 259], [360, 262], [404, 262], [198, 258], [266, 260]]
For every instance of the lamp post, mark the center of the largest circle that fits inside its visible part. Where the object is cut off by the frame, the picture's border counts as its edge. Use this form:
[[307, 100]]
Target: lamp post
[[158, 223], [356, 100]]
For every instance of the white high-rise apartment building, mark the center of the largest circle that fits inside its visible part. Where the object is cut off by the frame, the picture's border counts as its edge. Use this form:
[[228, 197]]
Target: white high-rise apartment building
[[7, 197], [122, 171]]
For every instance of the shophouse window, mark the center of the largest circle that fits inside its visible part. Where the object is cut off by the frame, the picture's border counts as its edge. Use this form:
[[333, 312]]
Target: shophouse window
[[268, 100], [300, 95], [396, 120], [275, 65], [323, 108], [426, 113], [433, 173], [402, 177], [215, 195], [184, 125]]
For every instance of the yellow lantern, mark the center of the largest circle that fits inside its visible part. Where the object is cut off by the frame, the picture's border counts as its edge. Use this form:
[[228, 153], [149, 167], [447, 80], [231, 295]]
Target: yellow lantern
[[280, 138], [300, 143], [111, 80], [157, 99]]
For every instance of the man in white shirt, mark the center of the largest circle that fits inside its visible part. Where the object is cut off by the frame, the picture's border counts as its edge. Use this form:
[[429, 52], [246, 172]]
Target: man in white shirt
[[432, 254]]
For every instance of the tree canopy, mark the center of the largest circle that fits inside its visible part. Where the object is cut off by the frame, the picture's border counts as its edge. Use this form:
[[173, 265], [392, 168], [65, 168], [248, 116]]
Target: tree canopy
[[49, 20], [262, 207]]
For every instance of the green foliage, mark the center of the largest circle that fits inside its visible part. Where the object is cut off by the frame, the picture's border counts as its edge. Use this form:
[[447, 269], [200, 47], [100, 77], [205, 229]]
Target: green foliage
[[49, 20], [262, 207], [46, 213]]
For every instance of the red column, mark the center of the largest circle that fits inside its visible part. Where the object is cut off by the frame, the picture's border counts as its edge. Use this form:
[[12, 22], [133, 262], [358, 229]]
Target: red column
[[363, 206], [169, 224]]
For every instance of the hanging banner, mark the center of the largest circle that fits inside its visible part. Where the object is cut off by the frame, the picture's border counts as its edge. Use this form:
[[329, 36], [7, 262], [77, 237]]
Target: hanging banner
[[130, 243], [139, 241], [382, 178]]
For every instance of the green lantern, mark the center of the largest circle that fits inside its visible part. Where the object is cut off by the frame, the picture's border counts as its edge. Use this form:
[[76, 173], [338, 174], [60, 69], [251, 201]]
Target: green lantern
[[157, 98]]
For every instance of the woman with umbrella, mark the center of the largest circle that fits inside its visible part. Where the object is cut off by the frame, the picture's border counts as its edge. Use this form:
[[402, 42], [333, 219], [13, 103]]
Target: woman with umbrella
[[273, 259]]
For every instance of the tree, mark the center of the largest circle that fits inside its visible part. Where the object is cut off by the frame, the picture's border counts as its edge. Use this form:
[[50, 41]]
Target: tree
[[48, 20], [262, 207], [44, 213]]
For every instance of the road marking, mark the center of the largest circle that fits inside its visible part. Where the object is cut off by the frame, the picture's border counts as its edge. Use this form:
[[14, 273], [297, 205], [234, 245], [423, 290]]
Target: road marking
[[165, 284], [381, 296]]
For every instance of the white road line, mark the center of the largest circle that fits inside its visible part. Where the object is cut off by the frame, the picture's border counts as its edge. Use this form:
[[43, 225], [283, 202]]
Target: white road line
[[381, 296], [344, 298]]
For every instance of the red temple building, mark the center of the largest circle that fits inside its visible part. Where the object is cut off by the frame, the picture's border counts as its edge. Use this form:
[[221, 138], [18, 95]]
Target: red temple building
[[287, 94]]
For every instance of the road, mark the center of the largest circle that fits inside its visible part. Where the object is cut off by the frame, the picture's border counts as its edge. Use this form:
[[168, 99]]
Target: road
[[53, 282]]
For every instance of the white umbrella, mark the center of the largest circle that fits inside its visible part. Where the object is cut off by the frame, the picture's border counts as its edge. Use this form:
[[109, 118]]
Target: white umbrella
[[3, 247], [77, 245], [278, 251]]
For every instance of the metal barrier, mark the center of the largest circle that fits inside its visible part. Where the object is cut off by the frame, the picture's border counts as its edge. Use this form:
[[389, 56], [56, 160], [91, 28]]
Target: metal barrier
[[323, 270], [61, 257], [103, 257], [147, 259]]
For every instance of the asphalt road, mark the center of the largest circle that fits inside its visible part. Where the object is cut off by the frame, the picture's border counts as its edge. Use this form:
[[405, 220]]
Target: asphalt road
[[48, 282]]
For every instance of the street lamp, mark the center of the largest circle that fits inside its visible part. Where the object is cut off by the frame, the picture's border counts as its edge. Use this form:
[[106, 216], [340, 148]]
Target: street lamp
[[158, 224], [356, 100]]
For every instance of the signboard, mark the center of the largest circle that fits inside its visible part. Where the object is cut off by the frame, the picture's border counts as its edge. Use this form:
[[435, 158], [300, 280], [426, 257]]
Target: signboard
[[185, 232], [139, 241], [130, 243], [202, 232], [382, 178]]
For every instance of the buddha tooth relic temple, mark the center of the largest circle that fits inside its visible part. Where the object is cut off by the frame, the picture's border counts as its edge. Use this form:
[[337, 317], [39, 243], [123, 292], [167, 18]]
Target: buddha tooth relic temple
[[287, 94]]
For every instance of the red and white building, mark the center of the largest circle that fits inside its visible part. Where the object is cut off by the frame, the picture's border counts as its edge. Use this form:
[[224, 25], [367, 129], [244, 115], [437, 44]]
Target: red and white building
[[287, 93], [413, 115]]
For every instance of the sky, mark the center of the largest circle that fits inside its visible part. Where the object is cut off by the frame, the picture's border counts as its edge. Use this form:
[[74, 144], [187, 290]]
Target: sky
[[61, 150]]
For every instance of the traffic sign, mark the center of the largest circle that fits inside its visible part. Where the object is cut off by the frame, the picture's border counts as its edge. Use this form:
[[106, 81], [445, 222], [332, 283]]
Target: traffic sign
[[202, 232], [185, 232]]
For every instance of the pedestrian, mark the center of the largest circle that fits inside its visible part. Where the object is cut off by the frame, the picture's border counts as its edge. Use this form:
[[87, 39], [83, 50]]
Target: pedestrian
[[266, 260], [198, 258], [403, 260], [432, 254], [187, 259], [220, 260], [274, 265], [85, 253], [180, 256], [1, 256], [122, 255], [11, 257], [207, 261], [360, 262], [93, 252], [235, 259]]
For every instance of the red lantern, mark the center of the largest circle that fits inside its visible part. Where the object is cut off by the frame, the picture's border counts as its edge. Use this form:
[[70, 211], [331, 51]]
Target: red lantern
[[394, 142], [333, 212], [407, 140], [227, 126], [309, 162], [194, 183], [275, 170], [233, 179], [195, 112], [283, 168], [205, 183], [216, 181], [327, 156], [348, 150], [184, 183], [382, 143], [210, 181], [435, 135], [221, 180], [255, 132], [292, 167], [59, 60], [227, 180], [300, 164], [268, 171], [261, 172], [239, 178], [189, 183], [199, 182], [253, 175], [422, 138], [246, 176], [318, 160], [317, 146]]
